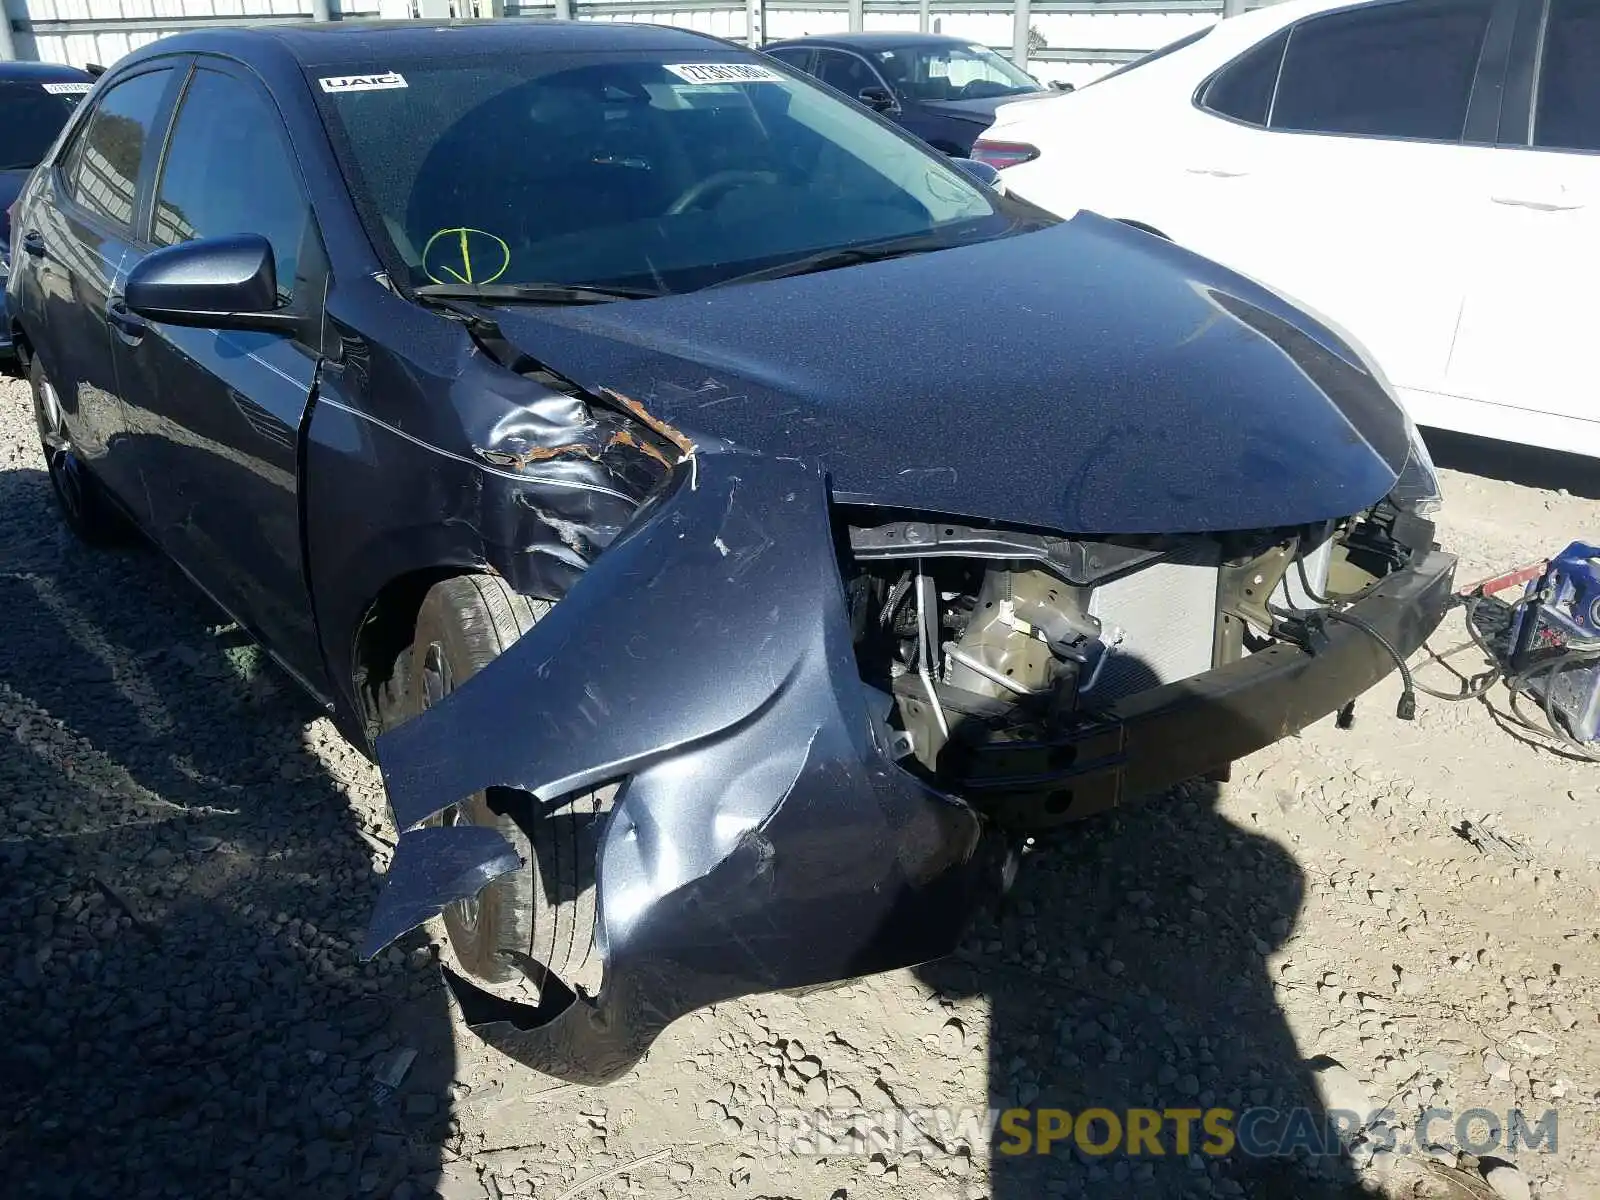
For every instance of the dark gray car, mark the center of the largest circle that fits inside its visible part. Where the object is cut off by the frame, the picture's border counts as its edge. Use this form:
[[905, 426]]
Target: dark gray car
[[732, 528], [943, 89], [35, 101]]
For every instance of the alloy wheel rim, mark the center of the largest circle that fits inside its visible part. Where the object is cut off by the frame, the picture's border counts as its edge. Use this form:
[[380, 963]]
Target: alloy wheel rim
[[61, 460]]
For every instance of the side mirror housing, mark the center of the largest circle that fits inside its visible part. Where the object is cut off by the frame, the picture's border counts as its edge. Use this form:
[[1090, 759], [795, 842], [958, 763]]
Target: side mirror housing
[[1061, 85], [979, 172], [878, 99], [211, 283]]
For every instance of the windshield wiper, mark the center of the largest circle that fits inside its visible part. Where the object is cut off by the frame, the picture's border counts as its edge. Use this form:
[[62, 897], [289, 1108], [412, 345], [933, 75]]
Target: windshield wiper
[[531, 293], [849, 256]]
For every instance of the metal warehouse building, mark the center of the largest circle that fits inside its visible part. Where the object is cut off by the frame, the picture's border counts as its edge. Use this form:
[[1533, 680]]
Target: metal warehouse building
[[1073, 40]]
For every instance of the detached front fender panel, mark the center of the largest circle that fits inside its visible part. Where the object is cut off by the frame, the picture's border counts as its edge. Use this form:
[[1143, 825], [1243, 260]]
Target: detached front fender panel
[[762, 837]]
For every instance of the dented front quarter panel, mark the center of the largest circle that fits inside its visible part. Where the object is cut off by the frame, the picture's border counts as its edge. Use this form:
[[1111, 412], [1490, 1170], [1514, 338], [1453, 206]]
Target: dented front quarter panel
[[436, 459], [762, 837]]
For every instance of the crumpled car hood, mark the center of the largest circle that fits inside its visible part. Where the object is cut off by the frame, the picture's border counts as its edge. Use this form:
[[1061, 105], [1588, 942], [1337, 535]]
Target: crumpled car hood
[[1087, 378]]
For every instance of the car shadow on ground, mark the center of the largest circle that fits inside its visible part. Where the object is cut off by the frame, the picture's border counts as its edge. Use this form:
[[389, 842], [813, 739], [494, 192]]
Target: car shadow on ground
[[1528, 466], [182, 889], [1127, 969]]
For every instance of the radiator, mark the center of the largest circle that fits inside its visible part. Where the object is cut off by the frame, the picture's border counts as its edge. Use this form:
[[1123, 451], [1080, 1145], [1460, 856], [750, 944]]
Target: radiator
[[1158, 622]]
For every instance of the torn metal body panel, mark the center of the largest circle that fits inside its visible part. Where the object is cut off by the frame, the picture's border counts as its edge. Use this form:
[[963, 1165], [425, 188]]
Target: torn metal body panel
[[512, 476], [764, 837]]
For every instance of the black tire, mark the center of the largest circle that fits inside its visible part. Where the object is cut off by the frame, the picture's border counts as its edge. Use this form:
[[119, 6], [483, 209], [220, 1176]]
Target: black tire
[[546, 910], [84, 506]]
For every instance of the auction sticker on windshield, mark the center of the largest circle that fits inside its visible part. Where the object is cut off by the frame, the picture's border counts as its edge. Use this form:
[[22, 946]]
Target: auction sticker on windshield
[[724, 73], [363, 83], [69, 88]]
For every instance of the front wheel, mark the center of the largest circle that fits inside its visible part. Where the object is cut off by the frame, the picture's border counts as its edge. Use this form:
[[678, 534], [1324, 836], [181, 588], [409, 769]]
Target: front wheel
[[82, 501], [546, 910]]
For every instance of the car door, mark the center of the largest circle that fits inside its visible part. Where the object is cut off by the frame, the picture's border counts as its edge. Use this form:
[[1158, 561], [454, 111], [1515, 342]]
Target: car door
[[77, 235], [220, 412], [1345, 183], [1521, 359]]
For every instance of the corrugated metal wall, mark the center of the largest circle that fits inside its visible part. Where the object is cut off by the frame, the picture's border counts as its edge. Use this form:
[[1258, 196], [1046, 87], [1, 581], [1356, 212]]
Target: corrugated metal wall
[[101, 31], [1073, 40]]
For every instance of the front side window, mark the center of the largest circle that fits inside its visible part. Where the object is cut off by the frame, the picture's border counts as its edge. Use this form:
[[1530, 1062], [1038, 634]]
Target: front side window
[[845, 72], [105, 163], [31, 116], [1395, 70], [1568, 113], [224, 120], [946, 72], [658, 173]]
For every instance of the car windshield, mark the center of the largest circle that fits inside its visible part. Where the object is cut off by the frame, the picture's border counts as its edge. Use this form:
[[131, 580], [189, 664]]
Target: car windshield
[[31, 115], [945, 72], [658, 171]]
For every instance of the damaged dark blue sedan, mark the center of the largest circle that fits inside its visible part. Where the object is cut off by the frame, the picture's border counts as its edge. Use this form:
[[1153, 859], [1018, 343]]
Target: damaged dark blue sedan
[[733, 527]]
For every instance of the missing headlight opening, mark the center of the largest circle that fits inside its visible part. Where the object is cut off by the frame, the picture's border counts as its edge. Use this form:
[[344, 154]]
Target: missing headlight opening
[[1006, 651]]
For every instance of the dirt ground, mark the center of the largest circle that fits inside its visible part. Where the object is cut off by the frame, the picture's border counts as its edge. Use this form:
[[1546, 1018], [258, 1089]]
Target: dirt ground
[[188, 855]]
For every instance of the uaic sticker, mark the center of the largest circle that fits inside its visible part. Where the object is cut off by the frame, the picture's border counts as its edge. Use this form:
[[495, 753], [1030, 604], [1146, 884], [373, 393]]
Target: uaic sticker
[[67, 89], [377, 82], [724, 73]]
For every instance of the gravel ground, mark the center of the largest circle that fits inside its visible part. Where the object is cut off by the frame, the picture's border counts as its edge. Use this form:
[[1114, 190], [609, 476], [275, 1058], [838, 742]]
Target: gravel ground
[[1396, 915]]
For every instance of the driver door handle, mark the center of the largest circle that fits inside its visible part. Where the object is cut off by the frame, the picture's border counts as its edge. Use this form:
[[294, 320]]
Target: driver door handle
[[130, 327]]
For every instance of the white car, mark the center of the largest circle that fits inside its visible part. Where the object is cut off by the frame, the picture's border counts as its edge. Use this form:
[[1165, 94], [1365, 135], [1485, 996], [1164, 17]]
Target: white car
[[1426, 173]]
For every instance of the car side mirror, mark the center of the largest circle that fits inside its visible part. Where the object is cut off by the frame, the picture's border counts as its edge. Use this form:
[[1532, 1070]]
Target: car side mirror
[[1061, 85], [980, 172], [878, 99], [211, 283]]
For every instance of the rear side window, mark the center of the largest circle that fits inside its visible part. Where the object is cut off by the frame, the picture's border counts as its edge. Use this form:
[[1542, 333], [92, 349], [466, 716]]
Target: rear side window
[[225, 120], [1243, 89], [105, 161], [1568, 113], [1396, 71]]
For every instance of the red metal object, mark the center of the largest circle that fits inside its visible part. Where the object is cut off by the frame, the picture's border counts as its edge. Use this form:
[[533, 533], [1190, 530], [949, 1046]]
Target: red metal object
[[1499, 583]]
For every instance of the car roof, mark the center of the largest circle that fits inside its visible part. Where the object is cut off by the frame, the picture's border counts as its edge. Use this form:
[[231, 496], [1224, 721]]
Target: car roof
[[1259, 22], [1224, 40], [29, 72], [878, 40], [1290, 10], [314, 43]]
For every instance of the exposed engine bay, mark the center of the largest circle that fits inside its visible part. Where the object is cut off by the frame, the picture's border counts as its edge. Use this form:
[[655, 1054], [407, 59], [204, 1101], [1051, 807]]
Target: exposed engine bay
[[1002, 650]]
